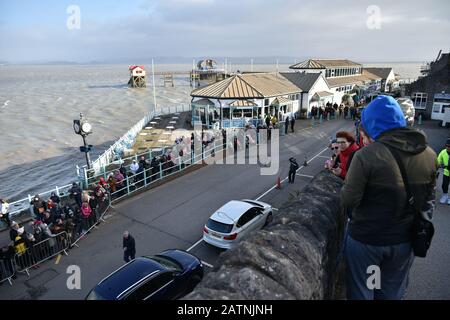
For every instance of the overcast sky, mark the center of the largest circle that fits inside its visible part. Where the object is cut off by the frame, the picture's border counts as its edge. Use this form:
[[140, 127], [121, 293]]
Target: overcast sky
[[141, 29]]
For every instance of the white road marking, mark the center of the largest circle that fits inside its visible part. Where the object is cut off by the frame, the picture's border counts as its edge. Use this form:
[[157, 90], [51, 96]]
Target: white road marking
[[324, 157], [275, 209], [207, 264], [195, 244], [268, 191], [304, 175]]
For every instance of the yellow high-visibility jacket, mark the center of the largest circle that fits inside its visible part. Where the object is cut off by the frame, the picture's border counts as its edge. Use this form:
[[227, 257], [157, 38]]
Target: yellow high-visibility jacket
[[443, 159]]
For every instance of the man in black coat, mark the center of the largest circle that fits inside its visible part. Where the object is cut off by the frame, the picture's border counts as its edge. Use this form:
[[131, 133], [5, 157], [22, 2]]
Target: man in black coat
[[75, 193], [129, 247], [292, 169], [292, 124]]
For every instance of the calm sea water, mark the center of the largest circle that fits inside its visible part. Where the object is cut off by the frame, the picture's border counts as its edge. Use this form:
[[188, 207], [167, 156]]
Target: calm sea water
[[38, 148]]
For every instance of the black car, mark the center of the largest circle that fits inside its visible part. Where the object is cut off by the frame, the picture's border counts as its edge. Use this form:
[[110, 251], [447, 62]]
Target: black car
[[166, 276]]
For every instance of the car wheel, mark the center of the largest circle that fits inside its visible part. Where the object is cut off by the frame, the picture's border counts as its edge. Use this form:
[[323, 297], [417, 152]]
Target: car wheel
[[195, 280], [268, 219]]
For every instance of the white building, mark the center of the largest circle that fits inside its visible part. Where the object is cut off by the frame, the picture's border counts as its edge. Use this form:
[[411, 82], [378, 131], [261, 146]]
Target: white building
[[243, 99], [315, 90], [343, 76], [387, 75]]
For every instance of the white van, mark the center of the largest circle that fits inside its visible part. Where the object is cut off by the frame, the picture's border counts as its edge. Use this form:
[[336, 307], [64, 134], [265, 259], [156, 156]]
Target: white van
[[441, 108]]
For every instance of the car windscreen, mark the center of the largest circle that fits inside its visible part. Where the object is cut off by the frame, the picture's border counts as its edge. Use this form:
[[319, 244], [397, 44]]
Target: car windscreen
[[168, 263], [219, 226]]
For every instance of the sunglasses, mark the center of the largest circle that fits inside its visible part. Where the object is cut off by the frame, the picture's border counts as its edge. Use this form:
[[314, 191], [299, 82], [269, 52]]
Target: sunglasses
[[334, 148]]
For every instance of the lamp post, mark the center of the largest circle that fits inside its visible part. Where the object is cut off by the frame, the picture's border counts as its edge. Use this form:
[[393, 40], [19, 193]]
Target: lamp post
[[83, 128]]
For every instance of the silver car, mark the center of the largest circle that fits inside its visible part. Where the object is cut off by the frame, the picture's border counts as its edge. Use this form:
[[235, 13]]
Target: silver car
[[234, 221]]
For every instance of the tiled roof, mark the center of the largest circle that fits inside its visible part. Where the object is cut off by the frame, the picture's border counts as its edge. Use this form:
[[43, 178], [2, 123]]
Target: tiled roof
[[248, 86], [381, 72], [356, 79], [324, 64], [304, 81]]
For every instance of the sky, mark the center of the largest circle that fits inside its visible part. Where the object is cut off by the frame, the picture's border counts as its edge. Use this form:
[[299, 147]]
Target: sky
[[138, 30]]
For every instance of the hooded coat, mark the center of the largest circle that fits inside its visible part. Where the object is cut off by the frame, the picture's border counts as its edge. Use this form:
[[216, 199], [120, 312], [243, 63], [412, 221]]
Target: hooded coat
[[374, 185]]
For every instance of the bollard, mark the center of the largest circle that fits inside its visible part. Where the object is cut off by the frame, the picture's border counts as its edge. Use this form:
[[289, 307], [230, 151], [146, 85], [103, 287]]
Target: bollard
[[328, 116], [420, 120], [320, 119], [312, 121]]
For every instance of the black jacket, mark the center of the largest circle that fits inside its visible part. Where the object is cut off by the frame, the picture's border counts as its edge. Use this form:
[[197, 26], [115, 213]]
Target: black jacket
[[130, 244], [294, 165], [374, 187]]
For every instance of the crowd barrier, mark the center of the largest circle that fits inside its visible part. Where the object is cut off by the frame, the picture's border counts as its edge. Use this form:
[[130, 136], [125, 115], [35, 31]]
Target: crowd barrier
[[52, 246], [7, 269]]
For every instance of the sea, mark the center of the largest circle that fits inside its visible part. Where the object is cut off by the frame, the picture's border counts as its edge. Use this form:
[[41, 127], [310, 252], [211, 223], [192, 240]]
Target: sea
[[38, 103]]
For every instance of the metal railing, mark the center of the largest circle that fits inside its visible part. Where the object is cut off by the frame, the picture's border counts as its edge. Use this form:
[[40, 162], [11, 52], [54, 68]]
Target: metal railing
[[126, 141], [7, 269], [23, 205], [109, 156], [42, 251], [53, 245]]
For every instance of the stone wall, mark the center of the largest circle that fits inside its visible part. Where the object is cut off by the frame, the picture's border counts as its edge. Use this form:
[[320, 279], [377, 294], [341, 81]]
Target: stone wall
[[293, 258]]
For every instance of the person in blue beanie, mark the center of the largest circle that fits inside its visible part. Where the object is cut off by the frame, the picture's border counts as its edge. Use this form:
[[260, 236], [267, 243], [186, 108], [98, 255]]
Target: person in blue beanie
[[380, 231]]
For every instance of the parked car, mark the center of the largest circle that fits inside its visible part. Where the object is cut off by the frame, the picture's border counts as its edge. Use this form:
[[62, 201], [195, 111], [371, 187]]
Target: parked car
[[236, 220], [166, 276]]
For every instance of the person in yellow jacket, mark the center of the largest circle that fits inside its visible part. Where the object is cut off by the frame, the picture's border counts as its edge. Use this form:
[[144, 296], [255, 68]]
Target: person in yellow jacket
[[443, 163]]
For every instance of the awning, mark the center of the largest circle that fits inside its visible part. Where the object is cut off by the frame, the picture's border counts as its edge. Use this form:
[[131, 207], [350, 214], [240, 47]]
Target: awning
[[203, 102], [281, 100], [322, 94]]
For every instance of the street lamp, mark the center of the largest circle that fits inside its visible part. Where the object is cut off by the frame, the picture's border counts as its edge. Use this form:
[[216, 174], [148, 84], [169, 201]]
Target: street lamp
[[83, 128]]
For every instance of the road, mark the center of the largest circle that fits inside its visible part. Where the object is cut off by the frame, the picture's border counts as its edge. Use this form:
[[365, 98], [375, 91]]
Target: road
[[173, 216]]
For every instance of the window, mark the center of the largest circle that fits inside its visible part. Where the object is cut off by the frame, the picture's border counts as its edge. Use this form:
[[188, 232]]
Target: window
[[226, 113], [266, 102], [436, 108], [150, 287], [248, 113], [237, 113], [247, 217], [219, 226], [419, 100], [168, 263]]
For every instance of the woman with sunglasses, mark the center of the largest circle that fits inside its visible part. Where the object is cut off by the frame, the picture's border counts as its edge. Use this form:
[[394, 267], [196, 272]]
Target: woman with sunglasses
[[334, 162], [347, 147]]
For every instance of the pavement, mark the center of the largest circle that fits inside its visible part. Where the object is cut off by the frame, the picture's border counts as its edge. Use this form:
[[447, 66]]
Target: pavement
[[173, 215]]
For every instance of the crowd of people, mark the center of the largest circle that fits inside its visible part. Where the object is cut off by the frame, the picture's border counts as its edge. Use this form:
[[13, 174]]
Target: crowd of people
[[51, 218], [334, 110]]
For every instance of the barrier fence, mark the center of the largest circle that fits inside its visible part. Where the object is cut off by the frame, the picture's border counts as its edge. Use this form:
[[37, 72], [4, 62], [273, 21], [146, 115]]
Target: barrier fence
[[30, 256], [7, 269]]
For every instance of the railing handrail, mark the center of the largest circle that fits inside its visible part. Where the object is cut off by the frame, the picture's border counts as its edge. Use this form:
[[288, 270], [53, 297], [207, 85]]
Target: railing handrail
[[23, 204]]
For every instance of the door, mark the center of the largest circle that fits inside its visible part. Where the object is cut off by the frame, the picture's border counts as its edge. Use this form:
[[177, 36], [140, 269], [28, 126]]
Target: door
[[248, 222], [158, 287]]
